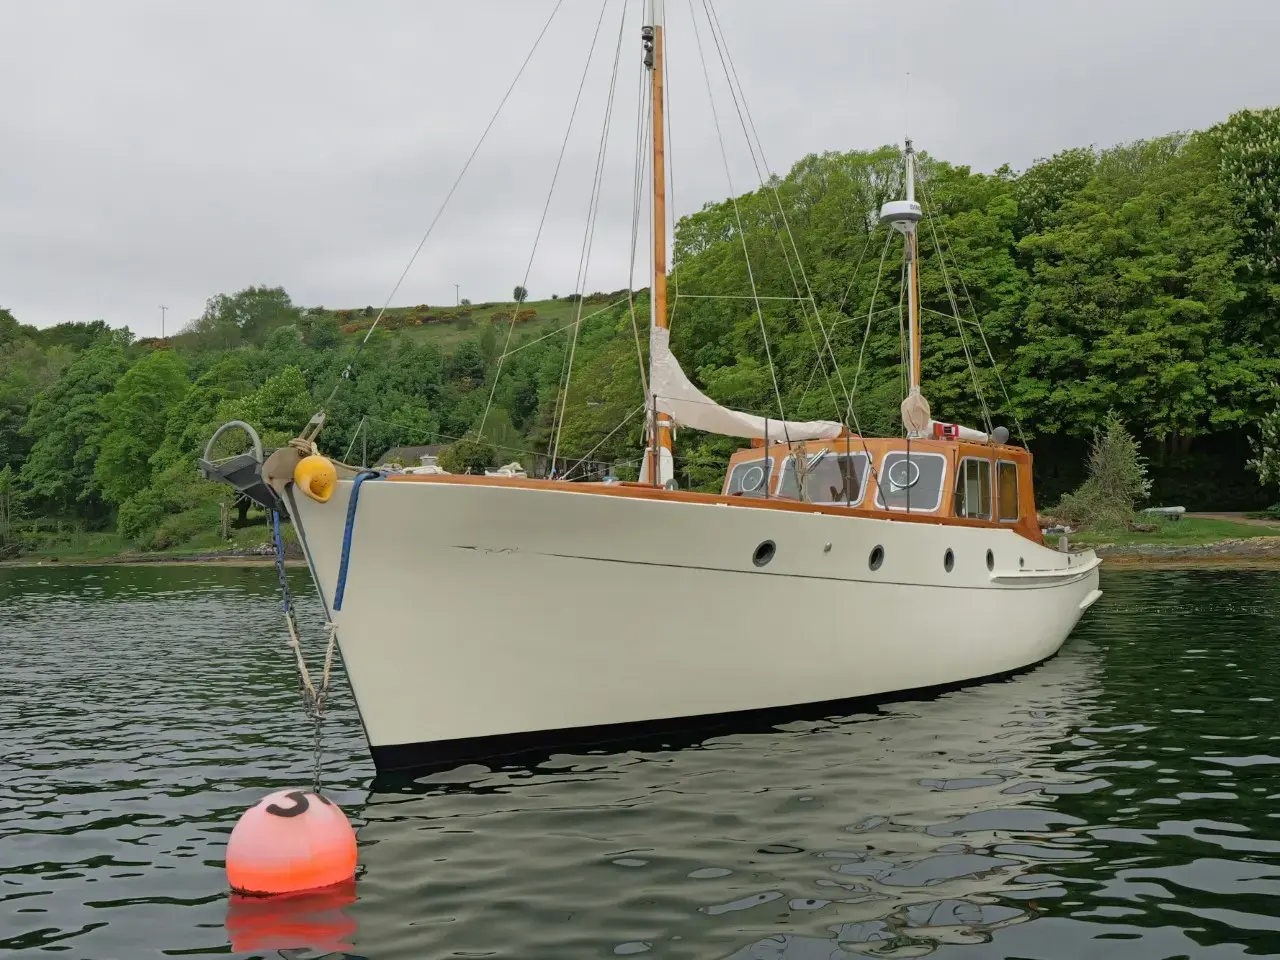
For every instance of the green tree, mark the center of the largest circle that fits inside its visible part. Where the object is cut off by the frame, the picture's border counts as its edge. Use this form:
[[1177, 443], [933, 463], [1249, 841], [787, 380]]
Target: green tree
[[63, 426], [10, 504], [519, 294], [253, 312], [468, 455], [134, 414], [1133, 302], [278, 409], [10, 329], [1117, 479], [193, 419], [1249, 149], [1266, 450]]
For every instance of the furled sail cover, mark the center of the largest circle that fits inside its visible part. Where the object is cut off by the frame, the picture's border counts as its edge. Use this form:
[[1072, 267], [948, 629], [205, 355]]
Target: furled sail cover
[[677, 397]]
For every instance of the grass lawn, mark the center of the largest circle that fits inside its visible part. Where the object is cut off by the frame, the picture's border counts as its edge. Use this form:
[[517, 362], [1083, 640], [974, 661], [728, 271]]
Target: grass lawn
[[1188, 531]]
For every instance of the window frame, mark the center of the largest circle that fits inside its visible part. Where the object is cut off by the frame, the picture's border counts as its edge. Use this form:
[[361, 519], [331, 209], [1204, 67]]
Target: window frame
[[883, 474], [789, 462], [1017, 486], [991, 487]]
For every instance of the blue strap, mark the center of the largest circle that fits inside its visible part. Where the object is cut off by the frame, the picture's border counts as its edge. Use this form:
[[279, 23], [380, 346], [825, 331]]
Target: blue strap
[[279, 544], [346, 535]]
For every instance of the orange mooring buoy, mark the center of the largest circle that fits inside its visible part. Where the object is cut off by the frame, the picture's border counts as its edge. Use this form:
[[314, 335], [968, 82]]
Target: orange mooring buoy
[[290, 841]]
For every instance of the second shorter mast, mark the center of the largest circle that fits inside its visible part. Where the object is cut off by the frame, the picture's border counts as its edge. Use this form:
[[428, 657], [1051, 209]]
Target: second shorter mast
[[904, 216]]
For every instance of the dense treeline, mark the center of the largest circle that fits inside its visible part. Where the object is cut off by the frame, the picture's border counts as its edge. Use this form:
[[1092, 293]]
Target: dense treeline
[[1142, 279]]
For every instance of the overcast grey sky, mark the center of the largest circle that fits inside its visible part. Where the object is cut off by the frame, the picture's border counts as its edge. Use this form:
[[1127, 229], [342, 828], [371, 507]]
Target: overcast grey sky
[[158, 152]]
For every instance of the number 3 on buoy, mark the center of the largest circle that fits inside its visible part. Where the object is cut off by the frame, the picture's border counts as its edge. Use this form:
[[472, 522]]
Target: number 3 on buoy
[[290, 841]]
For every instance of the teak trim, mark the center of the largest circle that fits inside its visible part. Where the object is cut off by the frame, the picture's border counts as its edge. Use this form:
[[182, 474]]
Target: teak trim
[[643, 491]]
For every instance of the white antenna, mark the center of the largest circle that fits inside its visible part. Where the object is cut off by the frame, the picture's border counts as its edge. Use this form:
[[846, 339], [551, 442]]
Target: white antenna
[[907, 111]]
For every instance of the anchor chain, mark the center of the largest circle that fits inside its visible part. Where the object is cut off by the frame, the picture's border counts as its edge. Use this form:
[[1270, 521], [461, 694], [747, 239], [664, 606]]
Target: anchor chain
[[313, 698]]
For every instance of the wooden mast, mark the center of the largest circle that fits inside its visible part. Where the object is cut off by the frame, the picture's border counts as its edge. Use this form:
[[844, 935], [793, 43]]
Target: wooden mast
[[660, 435]]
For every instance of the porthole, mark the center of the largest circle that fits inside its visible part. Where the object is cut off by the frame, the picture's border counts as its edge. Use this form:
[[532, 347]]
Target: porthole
[[948, 560], [876, 558], [1021, 563], [991, 560], [764, 553]]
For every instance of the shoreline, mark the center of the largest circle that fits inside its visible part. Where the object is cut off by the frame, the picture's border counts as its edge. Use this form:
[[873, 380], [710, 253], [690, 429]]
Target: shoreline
[[1231, 553], [154, 560]]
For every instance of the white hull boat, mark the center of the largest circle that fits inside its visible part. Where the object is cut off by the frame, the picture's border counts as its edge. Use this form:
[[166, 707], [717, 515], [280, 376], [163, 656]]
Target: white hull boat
[[484, 615], [480, 618]]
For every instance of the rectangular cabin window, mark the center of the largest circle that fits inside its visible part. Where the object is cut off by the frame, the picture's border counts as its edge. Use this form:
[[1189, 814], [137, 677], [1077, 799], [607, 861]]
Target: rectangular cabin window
[[748, 479], [973, 489], [1007, 490], [833, 478], [912, 482]]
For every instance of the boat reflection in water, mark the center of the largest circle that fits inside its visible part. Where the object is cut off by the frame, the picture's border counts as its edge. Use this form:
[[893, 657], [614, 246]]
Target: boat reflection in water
[[887, 832]]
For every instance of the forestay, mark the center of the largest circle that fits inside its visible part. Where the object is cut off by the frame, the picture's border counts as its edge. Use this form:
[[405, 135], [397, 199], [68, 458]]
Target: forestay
[[677, 397]]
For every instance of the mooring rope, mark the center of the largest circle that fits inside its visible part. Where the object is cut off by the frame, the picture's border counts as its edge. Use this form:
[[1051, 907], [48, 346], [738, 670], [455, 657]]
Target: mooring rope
[[313, 699]]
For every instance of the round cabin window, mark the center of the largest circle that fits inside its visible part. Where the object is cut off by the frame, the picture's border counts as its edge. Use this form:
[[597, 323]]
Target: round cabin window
[[876, 558], [752, 479], [948, 560], [991, 560], [904, 474], [764, 553]]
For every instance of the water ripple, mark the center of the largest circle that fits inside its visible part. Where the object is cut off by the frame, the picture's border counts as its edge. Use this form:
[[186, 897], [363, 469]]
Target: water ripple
[[1118, 799]]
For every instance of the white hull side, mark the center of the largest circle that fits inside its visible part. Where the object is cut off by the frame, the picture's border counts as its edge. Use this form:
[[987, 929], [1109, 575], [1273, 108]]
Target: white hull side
[[476, 611]]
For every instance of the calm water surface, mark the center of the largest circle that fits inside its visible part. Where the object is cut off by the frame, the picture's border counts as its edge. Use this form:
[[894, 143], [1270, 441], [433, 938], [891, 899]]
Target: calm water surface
[[1120, 800]]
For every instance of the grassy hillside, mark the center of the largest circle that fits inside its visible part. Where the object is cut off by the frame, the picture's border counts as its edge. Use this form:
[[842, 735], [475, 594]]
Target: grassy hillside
[[448, 326]]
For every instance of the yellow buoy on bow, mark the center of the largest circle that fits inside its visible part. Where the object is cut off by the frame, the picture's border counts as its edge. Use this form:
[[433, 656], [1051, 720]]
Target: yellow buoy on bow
[[316, 477]]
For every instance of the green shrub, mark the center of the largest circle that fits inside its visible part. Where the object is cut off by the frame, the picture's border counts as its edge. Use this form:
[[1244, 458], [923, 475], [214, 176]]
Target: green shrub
[[1117, 480], [177, 529], [139, 516]]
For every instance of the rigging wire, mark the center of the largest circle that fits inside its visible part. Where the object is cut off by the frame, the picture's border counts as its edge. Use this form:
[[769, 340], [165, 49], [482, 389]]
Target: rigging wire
[[354, 437], [858, 267], [770, 184], [981, 332], [562, 329], [644, 121], [871, 312], [625, 420], [903, 357], [346, 373], [433, 435], [669, 164], [738, 296], [955, 307], [839, 310], [593, 214], [515, 311], [813, 372], [764, 333]]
